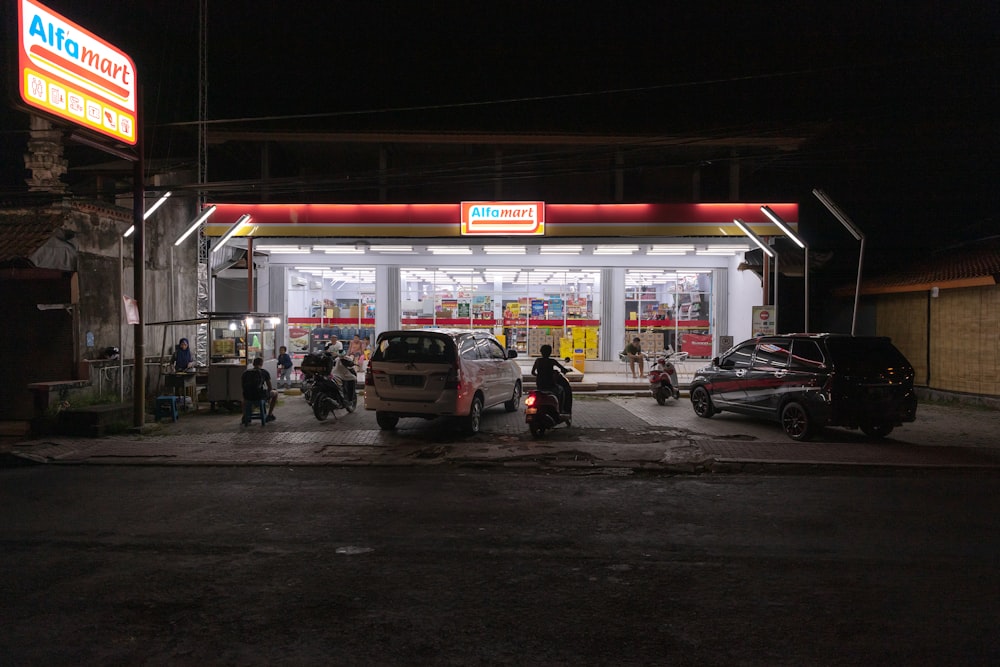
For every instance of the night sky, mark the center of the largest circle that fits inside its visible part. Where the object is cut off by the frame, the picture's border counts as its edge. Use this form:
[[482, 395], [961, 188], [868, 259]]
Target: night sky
[[907, 92]]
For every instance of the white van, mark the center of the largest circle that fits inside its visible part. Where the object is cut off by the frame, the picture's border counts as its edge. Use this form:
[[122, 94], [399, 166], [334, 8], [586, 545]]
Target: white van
[[440, 372]]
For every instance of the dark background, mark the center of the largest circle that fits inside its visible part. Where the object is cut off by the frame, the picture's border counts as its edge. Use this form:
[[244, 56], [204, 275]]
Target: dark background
[[901, 97]]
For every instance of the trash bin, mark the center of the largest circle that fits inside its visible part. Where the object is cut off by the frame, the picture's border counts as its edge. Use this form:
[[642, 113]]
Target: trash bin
[[579, 359]]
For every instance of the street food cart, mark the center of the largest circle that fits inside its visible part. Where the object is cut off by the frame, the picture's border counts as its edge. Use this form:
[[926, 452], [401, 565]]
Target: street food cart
[[233, 341]]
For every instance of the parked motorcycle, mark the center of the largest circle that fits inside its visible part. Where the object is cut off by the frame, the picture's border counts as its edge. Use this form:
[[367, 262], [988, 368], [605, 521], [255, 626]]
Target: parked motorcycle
[[329, 394], [314, 365], [324, 391], [543, 411], [663, 376]]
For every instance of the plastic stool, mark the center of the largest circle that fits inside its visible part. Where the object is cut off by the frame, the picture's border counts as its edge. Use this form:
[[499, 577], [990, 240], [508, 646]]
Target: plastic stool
[[166, 406], [249, 414]]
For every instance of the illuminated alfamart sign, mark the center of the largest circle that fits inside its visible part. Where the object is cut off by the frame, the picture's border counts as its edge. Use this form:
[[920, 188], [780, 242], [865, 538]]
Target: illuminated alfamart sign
[[494, 217], [71, 73]]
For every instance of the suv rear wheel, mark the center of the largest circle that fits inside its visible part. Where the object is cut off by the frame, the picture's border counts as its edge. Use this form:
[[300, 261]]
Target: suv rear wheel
[[796, 422], [386, 422], [475, 418]]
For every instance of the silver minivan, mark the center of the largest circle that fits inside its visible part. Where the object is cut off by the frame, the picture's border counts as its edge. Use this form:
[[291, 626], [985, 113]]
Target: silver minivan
[[431, 373]]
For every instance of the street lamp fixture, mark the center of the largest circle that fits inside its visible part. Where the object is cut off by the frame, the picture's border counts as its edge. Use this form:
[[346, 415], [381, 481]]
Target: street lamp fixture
[[783, 226], [767, 250], [194, 225], [152, 209], [244, 219]]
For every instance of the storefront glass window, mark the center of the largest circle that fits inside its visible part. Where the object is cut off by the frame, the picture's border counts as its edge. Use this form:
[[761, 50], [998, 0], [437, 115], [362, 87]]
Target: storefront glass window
[[526, 307], [670, 309], [330, 301]]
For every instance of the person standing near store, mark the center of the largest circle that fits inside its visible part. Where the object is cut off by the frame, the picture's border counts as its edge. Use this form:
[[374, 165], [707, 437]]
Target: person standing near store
[[356, 349], [633, 352], [284, 367]]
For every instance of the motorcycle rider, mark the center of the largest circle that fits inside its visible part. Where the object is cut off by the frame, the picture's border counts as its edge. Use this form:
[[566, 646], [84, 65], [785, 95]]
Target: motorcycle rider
[[547, 379], [343, 370]]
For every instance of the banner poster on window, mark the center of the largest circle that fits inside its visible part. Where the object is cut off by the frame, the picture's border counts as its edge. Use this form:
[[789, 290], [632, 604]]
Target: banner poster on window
[[764, 321], [298, 338]]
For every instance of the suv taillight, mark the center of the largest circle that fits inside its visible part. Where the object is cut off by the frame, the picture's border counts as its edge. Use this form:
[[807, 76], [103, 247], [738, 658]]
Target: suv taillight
[[453, 381]]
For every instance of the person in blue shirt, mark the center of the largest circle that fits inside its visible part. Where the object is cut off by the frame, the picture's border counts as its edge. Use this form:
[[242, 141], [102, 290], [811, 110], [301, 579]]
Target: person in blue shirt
[[284, 367]]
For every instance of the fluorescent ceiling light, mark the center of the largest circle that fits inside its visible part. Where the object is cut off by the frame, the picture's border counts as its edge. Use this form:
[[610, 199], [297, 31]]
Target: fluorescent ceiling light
[[505, 250], [722, 250], [616, 249], [339, 250], [560, 250], [285, 250], [449, 250], [392, 248], [669, 249]]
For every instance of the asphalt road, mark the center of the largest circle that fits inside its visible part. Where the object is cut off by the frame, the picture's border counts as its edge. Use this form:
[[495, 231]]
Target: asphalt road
[[397, 566]]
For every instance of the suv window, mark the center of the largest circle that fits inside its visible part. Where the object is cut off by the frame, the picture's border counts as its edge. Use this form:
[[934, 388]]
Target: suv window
[[467, 349], [807, 355], [413, 348], [740, 356], [489, 349], [862, 355], [772, 353]]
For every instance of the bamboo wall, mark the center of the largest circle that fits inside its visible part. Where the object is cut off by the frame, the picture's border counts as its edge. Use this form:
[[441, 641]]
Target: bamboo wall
[[963, 337]]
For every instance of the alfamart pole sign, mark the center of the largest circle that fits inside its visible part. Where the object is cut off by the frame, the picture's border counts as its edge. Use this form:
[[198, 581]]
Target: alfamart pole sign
[[71, 73]]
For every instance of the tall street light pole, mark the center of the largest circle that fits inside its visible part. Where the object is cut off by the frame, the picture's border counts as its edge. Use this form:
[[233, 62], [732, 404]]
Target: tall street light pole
[[858, 236]]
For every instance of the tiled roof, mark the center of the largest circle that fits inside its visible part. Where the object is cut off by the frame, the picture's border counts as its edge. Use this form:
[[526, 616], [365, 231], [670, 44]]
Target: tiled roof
[[972, 264], [21, 234]]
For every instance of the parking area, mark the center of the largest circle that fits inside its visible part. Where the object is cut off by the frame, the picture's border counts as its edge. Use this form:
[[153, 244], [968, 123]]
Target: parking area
[[608, 432]]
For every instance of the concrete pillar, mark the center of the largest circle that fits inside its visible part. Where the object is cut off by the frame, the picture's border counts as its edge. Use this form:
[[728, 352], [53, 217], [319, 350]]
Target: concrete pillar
[[44, 158]]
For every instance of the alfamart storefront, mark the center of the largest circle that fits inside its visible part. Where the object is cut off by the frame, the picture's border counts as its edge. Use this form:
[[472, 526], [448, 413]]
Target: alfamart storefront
[[582, 277]]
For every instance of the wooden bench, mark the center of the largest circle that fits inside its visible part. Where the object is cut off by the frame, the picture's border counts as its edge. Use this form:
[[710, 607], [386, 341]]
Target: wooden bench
[[48, 394]]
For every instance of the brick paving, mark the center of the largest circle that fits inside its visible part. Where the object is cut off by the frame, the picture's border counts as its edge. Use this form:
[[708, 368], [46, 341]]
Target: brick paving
[[608, 432]]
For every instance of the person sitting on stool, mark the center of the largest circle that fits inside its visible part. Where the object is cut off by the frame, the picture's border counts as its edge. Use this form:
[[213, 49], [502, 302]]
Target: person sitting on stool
[[633, 352], [265, 379]]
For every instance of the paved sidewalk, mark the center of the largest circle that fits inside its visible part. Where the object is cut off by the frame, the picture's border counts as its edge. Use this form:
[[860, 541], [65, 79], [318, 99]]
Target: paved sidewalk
[[609, 433]]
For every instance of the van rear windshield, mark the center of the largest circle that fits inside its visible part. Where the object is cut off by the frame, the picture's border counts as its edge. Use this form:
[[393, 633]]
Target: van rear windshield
[[859, 355], [406, 347]]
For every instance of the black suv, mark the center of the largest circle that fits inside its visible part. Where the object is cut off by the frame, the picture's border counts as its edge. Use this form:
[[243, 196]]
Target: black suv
[[809, 381]]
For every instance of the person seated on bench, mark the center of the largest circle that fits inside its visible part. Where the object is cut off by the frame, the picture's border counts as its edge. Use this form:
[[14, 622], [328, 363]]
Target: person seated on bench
[[256, 383]]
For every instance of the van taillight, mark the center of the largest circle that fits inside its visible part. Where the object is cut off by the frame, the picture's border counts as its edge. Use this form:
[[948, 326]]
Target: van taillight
[[453, 381]]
